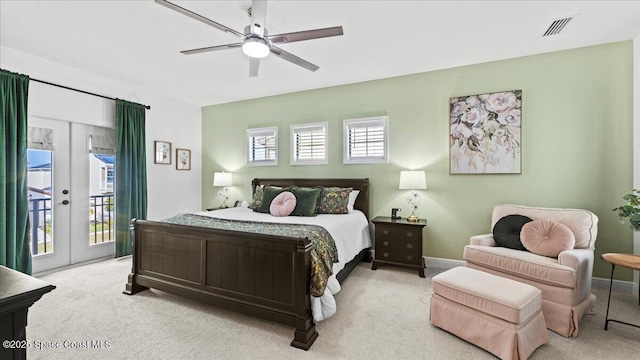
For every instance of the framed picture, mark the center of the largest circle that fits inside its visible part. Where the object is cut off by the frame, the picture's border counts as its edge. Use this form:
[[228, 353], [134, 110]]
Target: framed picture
[[484, 133], [183, 159], [162, 152]]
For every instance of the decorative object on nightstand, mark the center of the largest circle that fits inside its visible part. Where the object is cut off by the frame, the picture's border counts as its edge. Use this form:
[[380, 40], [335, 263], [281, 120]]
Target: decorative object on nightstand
[[398, 242], [413, 180], [223, 179]]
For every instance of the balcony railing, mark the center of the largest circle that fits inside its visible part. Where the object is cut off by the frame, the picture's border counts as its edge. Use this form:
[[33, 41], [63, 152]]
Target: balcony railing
[[101, 222], [101, 217], [40, 219]]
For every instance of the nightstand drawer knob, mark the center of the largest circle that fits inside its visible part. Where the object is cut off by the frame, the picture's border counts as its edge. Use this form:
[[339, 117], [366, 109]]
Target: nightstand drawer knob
[[385, 254], [410, 246], [409, 258], [386, 232], [385, 243], [409, 234]]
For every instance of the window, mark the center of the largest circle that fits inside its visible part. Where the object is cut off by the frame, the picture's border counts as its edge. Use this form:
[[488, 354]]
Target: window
[[366, 140], [262, 146], [309, 144]]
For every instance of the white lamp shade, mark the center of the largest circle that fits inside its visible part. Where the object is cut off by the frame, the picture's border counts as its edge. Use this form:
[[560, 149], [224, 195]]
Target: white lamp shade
[[412, 180], [222, 179]]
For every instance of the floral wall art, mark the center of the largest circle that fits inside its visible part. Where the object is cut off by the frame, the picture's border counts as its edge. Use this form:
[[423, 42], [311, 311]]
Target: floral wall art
[[484, 134]]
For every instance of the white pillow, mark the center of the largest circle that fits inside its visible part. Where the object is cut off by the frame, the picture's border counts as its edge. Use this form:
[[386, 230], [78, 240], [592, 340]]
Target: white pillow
[[353, 195]]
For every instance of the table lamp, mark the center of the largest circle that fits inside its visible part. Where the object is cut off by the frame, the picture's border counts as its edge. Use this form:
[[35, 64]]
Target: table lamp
[[413, 180], [223, 179]]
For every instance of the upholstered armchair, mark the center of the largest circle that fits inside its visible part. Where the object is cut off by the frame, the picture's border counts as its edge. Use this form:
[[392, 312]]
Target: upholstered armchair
[[565, 281]]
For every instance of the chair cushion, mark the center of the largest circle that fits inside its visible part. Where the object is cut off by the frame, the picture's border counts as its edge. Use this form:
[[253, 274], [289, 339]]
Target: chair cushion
[[547, 237], [583, 223], [283, 204], [522, 264], [503, 298], [506, 232]]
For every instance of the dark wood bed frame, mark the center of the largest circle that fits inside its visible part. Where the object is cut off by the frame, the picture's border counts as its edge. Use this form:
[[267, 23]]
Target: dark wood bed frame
[[260, 275]]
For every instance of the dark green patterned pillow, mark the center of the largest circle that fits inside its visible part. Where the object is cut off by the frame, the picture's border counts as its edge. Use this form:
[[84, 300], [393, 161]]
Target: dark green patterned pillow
[[306, 200], [257, 197], [270, 192], [333, 200]]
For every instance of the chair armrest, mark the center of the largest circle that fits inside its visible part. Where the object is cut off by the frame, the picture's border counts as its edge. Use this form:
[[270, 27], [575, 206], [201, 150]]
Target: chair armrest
[[576, 258], [582, 261], [483, 240]]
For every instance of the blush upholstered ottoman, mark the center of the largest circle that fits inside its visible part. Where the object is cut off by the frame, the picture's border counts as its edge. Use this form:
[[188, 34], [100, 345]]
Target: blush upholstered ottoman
[[500, 315]]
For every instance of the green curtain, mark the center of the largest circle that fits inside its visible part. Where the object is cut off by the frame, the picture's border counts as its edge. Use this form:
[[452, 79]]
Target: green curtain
[[14, 214], [131, 172]]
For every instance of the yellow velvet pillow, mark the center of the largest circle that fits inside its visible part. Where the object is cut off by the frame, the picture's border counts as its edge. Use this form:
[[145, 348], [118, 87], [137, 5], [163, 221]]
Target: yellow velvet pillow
[[547, 238]]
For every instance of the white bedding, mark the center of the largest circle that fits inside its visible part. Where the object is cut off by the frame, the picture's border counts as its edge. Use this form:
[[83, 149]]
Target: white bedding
[[349, 231]]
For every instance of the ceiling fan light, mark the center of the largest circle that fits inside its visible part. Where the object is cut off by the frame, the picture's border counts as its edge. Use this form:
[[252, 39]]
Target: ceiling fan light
[[255, 47]]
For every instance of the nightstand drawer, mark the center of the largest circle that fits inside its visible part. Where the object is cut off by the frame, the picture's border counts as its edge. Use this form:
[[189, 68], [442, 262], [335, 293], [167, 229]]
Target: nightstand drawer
[[398, 242], [392, 232], [399, 256], [410, 245]]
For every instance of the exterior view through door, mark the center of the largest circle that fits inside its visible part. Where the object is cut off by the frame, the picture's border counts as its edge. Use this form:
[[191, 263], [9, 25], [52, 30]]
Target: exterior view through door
[[71, 193]]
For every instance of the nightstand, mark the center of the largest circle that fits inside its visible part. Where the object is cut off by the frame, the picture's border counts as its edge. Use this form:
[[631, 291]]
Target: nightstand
[[398, 242]]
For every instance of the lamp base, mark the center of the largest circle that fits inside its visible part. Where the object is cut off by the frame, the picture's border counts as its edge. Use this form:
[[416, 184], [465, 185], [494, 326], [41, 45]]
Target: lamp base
[[413, 218], [224, 204]]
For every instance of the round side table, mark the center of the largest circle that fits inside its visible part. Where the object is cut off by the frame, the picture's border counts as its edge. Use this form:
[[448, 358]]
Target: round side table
[[625, 260]]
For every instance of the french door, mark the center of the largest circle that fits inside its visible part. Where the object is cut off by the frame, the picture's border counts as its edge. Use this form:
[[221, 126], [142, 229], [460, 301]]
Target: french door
[[71, 194]]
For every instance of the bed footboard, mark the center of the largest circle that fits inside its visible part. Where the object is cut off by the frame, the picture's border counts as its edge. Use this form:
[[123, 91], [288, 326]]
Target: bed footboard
[[260, 275]]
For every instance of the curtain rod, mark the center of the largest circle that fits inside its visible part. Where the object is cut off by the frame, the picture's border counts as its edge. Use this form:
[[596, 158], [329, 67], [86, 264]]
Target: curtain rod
[[78, 90]]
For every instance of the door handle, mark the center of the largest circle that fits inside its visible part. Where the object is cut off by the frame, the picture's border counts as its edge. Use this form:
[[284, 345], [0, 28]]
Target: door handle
[[64, 202]]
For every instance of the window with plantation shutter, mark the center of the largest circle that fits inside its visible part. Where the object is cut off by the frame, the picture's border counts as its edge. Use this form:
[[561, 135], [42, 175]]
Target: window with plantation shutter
[[366, 140], [262, 146], [309, 144]]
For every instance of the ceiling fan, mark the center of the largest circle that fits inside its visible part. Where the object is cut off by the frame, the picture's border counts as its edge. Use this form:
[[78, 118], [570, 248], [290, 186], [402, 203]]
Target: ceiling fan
[[256, 42]]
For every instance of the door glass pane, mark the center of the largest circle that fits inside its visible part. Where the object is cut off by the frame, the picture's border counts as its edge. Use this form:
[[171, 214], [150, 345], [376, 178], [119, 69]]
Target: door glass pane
[[101, 202], [39, 183]]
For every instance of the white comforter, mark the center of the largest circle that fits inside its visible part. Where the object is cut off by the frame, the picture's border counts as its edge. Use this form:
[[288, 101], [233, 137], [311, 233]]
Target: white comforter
[[349, 231]]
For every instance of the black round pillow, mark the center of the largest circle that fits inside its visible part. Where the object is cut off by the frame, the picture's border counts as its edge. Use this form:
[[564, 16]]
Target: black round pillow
[[506, 232]]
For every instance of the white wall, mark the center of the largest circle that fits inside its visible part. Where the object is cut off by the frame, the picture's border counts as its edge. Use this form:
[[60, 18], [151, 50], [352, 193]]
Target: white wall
[[169, 190], [636, 139]]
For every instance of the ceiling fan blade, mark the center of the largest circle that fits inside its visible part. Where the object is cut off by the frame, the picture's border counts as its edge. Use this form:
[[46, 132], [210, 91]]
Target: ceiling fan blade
[[211, 48], [258, 16], [254, 64], [200, 18], [305, 35], [292, 58]]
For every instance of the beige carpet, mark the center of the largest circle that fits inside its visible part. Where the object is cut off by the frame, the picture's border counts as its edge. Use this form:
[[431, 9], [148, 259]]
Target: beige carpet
[[382, 314]]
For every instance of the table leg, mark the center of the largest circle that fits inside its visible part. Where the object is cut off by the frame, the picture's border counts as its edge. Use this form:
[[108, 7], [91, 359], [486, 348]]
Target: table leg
[[606, 318]]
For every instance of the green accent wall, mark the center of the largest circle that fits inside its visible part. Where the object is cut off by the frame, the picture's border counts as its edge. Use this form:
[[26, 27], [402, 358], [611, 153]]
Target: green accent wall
[[576, 142]]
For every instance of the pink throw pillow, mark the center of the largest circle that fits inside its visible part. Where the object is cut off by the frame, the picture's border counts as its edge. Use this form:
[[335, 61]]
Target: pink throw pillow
[[283, 204], [547, 238]]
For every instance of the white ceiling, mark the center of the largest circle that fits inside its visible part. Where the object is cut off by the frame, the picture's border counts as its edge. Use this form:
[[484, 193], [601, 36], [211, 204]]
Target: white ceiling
[[138, 42]]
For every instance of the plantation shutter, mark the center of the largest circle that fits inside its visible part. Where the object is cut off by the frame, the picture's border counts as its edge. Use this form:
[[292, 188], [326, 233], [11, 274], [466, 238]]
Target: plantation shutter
[[309, 143], [366, 140]]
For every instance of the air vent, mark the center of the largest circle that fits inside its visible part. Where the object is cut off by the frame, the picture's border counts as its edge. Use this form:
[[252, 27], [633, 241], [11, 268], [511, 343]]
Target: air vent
[[557, 25]]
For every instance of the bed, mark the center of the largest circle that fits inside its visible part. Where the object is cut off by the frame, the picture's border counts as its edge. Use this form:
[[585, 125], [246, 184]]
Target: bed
[[261, 275]]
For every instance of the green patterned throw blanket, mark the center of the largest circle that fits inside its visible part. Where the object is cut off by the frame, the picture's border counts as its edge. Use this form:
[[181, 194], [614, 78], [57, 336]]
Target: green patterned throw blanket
[[323, 254]]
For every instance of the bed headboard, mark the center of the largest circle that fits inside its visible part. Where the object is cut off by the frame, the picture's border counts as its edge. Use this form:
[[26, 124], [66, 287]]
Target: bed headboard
[[362, 201]]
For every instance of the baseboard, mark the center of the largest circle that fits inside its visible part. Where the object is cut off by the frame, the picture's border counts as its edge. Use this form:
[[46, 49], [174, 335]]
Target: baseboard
[[627, 287], [67, 267], [440, 263], [621, 286]]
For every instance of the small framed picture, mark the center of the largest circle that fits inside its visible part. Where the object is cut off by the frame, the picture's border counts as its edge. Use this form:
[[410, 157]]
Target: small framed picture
[[162, 152], [183, 159]]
